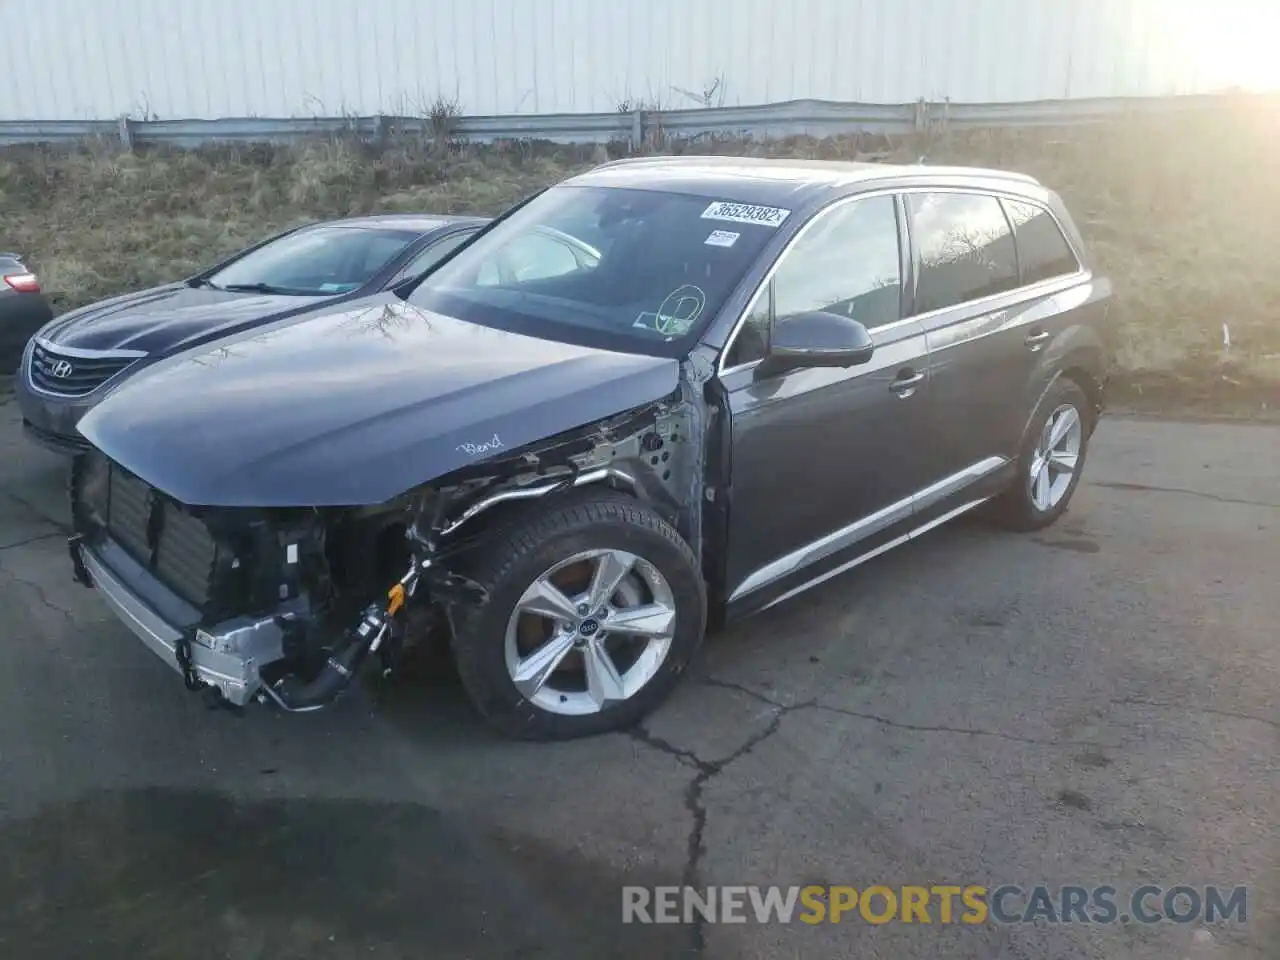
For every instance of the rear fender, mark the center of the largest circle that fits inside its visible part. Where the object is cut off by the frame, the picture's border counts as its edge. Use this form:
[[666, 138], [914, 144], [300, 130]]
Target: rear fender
[[1080, 360]]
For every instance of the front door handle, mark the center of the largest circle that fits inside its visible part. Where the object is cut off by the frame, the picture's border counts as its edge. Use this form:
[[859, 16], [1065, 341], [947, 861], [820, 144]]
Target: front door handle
[[1036, 340], [906, 383]]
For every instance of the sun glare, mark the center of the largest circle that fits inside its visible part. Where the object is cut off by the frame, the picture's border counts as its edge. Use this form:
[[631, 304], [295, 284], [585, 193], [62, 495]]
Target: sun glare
[[1231, 43]]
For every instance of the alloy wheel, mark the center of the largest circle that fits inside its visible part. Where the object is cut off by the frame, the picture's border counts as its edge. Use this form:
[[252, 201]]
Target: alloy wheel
[[1053, 465], [589, 632]]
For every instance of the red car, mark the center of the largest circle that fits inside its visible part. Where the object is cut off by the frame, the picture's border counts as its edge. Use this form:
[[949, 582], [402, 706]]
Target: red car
[[23, 309]]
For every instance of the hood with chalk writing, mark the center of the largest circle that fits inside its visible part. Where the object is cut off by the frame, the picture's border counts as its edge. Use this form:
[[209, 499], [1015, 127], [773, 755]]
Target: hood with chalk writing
[[356, 406]]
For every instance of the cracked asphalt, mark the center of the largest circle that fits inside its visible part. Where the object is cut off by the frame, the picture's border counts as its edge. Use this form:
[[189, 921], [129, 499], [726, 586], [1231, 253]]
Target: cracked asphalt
[[1092, 705]]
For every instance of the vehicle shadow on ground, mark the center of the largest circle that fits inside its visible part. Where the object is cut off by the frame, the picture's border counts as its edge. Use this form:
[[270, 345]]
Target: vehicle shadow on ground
[[425, 702], [195, 874]]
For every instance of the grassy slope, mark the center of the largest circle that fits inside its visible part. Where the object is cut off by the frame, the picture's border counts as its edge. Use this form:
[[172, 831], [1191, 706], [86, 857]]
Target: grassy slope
[[1183, 212]]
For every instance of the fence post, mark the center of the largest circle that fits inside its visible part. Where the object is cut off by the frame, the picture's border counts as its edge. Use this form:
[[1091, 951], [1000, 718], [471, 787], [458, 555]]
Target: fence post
[[125, 127], [637, 129], [922, 115]]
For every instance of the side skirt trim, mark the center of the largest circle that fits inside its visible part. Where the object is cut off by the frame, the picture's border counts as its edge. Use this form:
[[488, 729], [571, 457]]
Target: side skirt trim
[[864, 527], [883, 548]]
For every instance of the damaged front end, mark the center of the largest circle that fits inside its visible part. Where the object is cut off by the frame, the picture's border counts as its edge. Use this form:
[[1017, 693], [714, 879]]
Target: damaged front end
[[286, 605]]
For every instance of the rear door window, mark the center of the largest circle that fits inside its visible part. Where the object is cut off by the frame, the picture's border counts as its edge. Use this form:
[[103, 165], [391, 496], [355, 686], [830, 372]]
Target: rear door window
[[965, 248], [1043, 252]]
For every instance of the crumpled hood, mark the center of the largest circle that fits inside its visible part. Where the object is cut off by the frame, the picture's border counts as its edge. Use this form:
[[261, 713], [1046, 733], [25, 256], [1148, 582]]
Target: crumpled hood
[[165, 319], [353, 407]]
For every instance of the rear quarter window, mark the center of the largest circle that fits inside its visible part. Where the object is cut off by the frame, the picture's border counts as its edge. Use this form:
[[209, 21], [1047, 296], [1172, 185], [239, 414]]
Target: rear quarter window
[[965, 248], [1043, 252]]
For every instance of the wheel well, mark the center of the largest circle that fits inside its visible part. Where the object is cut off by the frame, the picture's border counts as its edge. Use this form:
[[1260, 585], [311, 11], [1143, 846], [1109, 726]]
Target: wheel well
[[1091, 387], [503, 514]]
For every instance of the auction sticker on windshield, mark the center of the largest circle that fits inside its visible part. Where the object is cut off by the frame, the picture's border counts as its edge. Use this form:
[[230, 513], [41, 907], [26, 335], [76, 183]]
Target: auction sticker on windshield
[[722, 238], [745, 213]]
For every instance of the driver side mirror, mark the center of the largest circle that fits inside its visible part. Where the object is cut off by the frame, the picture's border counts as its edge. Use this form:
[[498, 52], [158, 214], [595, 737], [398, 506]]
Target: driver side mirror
[[816, 339]]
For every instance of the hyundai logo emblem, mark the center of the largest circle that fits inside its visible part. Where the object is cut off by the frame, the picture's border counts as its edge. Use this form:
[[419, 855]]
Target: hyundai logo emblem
[[588, 627], [62, 369]]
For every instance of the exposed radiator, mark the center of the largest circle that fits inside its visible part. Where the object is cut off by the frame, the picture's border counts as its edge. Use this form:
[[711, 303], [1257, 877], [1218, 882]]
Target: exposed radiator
[[174, 545]]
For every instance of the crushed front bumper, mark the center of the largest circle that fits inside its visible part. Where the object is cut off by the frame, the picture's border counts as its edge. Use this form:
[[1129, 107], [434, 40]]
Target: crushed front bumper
[[226, 656]]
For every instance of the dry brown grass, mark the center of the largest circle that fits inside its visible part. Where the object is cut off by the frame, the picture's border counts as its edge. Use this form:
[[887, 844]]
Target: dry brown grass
[[1182, 211]]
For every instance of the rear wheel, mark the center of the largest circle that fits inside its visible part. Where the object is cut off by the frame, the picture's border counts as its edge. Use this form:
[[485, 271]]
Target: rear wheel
[[1051, 460], [595, 608]]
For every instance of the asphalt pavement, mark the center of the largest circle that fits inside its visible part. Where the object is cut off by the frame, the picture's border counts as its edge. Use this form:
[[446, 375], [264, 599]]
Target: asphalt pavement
[[1092, 705]]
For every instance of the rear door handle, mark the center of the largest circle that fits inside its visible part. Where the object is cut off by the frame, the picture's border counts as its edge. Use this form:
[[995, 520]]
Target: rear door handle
[[1036, 340], [906, 383]]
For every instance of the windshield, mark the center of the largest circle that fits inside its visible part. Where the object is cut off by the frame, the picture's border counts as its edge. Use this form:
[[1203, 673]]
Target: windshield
[[632, 270], [315, 261]]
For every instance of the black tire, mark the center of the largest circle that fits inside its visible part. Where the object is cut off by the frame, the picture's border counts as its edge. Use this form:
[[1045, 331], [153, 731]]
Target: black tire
[[1015, 509], [517, 553]]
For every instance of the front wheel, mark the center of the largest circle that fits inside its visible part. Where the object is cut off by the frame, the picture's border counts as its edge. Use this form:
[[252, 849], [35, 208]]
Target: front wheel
[[1051, 461], [596, 606]]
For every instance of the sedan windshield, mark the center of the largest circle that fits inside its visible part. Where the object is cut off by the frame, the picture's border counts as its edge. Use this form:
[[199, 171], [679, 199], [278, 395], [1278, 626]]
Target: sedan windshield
[[640, 271], [315, 261]]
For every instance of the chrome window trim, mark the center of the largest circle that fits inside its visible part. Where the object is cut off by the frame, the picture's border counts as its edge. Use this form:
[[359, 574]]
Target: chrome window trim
[[1040, 287], [1066, 280]]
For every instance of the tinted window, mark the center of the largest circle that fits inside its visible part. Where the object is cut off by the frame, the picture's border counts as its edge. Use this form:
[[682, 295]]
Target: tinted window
[[316, 260], [424, 260], [1043, 252], [847, 262], [624, 269], [966, 249]]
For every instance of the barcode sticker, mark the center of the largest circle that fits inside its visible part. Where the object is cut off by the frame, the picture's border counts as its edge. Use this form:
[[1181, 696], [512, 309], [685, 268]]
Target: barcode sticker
[[745, 213]]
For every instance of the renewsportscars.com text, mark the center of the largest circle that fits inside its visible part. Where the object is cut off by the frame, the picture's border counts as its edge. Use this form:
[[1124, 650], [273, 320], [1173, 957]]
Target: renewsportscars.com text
[[971, 904]]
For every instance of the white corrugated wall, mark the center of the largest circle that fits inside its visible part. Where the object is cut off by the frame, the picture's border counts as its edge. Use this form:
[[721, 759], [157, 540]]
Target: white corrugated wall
[[97, 59]]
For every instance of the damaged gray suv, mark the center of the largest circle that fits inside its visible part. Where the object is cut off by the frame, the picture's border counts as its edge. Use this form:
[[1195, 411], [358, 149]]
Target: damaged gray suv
[[656, 397]]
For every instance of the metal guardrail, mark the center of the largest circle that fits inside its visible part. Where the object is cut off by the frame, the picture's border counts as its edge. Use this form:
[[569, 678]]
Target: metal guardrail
[[812, 117]]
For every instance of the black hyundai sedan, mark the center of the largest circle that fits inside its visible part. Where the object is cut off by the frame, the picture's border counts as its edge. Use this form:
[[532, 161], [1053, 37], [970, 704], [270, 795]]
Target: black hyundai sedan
[[75, 360]]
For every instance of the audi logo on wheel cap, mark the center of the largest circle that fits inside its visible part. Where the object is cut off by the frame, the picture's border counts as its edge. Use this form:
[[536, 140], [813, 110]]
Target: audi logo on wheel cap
[[62, 369]]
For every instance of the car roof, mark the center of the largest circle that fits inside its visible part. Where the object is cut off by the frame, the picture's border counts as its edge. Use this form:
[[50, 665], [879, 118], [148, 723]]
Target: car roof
[[420, 222], [790, 183]]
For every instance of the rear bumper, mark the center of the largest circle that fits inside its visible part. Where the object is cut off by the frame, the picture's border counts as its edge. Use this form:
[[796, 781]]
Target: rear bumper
[[227, 656]]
